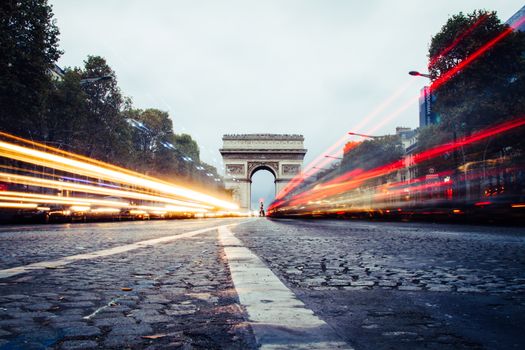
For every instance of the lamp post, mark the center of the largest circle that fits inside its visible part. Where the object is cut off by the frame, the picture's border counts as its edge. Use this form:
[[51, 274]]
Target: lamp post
[[95, 79], [417, 74], [363, 135], [333, 157]]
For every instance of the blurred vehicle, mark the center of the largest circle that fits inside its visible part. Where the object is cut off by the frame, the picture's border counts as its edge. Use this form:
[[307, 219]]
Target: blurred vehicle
[[58, 214], [158, 214], [134, 214], [36, 215]]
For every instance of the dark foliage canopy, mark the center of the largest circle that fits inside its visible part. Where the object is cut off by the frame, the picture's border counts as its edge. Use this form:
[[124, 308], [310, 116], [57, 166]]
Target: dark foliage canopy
[[77, 113]]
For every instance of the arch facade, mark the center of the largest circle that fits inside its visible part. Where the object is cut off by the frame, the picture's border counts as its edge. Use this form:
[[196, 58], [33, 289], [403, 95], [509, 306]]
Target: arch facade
[[245, 154]]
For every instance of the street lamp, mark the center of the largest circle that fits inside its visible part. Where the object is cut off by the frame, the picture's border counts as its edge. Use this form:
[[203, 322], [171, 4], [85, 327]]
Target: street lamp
[[417, 74], [95, 79], [363, 135]]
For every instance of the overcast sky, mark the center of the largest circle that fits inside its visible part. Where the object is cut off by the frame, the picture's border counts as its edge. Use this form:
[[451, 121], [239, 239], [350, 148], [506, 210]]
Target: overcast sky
[[315, 68]]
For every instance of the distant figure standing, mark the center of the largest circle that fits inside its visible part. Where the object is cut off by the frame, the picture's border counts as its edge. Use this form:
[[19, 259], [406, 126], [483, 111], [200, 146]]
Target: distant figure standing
[[261, 209]]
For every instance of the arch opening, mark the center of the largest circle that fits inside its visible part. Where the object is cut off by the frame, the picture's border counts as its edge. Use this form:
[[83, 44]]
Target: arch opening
[[262, 187]]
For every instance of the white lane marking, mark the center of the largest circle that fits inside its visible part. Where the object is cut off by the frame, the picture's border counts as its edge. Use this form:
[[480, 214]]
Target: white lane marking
[[52, 264], [279, 320]]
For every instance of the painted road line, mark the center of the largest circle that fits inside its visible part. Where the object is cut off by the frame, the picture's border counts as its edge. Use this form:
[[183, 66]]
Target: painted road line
[[53, 264], [279, 320]]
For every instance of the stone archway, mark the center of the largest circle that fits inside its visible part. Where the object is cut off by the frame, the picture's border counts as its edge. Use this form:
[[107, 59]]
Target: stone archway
[[269, 175], [245, 154]]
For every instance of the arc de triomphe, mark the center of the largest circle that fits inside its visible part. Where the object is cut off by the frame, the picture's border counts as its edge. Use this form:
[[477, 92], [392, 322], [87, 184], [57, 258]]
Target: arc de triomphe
[[244, 155]]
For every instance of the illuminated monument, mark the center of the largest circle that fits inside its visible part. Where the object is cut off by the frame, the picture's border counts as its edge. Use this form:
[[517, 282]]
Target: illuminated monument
[[244, 155]]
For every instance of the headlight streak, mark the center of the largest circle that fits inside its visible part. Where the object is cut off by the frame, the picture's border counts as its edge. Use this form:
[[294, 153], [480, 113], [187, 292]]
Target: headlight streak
[[61, 177], [164, 198], [18, 205], [75, 156], [26, 196], [79, 208], [95, 171], [70, 186]]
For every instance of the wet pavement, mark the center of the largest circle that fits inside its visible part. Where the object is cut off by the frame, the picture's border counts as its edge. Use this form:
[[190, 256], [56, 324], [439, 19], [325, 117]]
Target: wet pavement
[[274, 284]]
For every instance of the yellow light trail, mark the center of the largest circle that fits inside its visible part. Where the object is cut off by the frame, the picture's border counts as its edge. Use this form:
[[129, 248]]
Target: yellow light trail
[[33, 200], [103, 171], [56, 176], [80, 208], [77, 156], [36, 197], [105, 210], [71, 186], [18, 205]]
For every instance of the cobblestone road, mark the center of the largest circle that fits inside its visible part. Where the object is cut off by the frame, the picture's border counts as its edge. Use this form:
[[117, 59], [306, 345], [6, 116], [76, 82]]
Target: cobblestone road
[[173, 295], [402, 286], [371, 285]]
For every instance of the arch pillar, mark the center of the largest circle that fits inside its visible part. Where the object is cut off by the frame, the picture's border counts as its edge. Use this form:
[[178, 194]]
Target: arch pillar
[[241, 191], [243, 155], [280, 184]]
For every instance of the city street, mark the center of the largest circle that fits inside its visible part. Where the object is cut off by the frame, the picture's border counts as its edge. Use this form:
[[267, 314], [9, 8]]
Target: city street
[[271, 175], [244, 283]]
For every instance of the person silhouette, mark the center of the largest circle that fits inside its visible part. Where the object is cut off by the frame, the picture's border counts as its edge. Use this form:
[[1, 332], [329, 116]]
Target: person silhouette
[[261, 209]]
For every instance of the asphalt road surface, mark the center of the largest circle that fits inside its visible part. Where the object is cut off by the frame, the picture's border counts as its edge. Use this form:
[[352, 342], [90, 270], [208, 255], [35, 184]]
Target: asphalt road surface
[[273, 284]]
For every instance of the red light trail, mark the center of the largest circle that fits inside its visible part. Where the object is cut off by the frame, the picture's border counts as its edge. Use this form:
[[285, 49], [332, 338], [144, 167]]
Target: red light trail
[[321, 161], [354, 178]]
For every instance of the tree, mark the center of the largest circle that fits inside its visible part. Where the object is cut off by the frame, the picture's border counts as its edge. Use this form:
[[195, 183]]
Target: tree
[[28, 50], [152, 138], [158, 151], [188, 146], [110, 133], [429, 137], [488, 90], [373, 153], [66, 116], [90, 118]]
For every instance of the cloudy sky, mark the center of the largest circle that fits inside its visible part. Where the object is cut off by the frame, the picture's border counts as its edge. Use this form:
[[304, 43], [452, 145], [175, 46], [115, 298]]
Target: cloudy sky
[[315, 68]]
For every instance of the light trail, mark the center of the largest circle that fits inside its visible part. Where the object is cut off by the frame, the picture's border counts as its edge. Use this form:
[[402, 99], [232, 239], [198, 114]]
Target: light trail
[[407, 104], [336, 148], [26, 196], [70, 186], [321, 161], [355, 178], [18, 205], [107, 172], [76, 156], [40, 200], [60, 177]]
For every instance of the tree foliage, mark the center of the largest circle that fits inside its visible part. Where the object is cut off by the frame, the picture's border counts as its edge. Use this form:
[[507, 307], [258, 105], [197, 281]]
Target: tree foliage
[[28, 50], [488, 90], [373, 153], [66, 115], [90, 117], [110, 133], [484, 93]]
